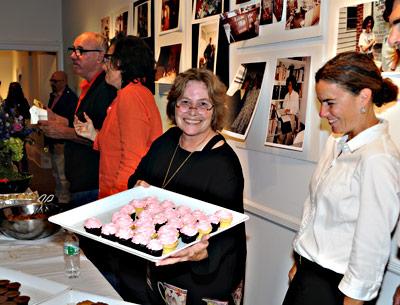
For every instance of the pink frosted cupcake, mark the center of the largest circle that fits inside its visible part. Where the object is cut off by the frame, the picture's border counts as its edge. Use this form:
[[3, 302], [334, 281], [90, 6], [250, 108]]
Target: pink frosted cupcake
[[139, 205], [225, 218], [140, 241], [168, 229], [93, 226], [169, 242], [124, 221], [204, 228], [155, 247], [159, 220], [214, 220], [129, 210], [189, 233], [108, 231], [124, 236]]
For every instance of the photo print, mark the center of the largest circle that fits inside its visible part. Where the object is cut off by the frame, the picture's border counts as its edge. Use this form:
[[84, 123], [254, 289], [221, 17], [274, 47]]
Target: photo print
[[167, 66], [288, 107], [206, 8], [300, 14], [169, 15], [121, 23], [244, 94], [267, 11], [241, 24], [278, 9], [105, 27], [142, 18], [363, 29], [208, 44]]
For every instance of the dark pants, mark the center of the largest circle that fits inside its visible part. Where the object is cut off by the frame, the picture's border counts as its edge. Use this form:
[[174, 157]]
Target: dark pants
[[313, 285]]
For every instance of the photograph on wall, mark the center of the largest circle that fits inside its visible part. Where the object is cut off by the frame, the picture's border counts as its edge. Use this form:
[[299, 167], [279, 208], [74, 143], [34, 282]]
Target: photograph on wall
[[169, 16], [167, 66], [121, 22], [362, 28], [105, 26], [278, 9], [244, 94], [242, 23], [288, 106], [267, 12], [301, 14], [206, 8], [208, 45], [142, 18]]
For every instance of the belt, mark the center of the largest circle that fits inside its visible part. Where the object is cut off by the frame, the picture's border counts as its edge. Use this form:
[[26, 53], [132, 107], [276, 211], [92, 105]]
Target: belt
[[306, 264]]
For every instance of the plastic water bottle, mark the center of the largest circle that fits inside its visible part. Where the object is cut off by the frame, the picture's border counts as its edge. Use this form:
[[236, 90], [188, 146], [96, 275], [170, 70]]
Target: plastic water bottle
[[71, 255]]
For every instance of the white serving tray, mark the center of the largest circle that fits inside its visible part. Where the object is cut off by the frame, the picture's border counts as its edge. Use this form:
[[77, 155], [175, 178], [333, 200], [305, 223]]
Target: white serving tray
[[38, 289], [103, 209], [71, 297]]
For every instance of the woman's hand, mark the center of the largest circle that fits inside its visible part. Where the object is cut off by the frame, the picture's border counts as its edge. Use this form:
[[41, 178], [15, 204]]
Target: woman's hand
[[142, 183], [85, 129], [292, 272], [350, 301], [197, 252]]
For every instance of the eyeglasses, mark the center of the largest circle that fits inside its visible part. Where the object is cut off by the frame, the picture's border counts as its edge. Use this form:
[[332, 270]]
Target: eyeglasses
[[55, 80], [79, 51], [201, 107]]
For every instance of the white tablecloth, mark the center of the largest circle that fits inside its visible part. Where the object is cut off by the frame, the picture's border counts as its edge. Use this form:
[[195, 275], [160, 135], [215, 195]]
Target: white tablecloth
[[44, 258]]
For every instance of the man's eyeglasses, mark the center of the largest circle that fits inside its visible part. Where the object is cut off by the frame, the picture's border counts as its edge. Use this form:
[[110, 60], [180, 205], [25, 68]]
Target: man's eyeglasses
[[55, 80], [201, 107], [79, 51]]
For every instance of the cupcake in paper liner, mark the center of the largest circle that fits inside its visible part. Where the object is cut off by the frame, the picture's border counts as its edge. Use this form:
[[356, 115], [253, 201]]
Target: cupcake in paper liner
[[189, 233], [139, 205], [169, 242], [204, 228], [155, 247], [124, 236], [215, 222], [140, 241], [108, 231], [225, 218], [93, 226]]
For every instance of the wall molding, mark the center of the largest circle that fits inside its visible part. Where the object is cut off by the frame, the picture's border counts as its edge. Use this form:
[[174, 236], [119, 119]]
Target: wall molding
[[278, 217]]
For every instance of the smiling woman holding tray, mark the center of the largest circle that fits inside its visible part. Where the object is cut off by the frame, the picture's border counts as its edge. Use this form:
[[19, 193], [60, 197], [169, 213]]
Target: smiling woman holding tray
[[193, 159]]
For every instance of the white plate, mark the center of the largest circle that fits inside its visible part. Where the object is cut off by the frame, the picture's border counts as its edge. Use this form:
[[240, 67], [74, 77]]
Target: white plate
[[104, 208], [38, 289], [71, 297]]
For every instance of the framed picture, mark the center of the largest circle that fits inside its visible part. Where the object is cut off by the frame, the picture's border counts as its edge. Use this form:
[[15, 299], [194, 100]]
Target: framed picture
[[121, 21], [267, 12], [167, 66], [244, 95], [304, 14], [142, 18], [169, 19], [287, 113], [105, 23], [242, 23], [364, 30], [208, 45], [206, 9]]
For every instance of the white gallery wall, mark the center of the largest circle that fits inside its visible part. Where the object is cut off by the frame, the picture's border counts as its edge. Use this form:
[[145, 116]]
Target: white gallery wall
[[276, 180]]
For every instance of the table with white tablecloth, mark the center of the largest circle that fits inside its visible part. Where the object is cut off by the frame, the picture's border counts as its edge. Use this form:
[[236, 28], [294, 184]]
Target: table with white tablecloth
[[44, 258]]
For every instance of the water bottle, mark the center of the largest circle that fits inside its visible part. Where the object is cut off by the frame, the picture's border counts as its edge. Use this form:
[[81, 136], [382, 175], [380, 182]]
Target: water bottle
[[71, 255]]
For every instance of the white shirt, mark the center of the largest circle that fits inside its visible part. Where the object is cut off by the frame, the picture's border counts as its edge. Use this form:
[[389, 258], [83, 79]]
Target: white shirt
[[352, 209], [291, 102], [364, 40]]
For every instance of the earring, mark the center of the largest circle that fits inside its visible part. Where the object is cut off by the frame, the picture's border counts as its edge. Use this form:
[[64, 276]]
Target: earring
[[363, 110]]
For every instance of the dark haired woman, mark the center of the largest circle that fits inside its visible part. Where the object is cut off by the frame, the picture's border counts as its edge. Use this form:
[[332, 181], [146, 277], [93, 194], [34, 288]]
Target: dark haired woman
[[16, 101], [133, 120], [367, 37], [343, 244]]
